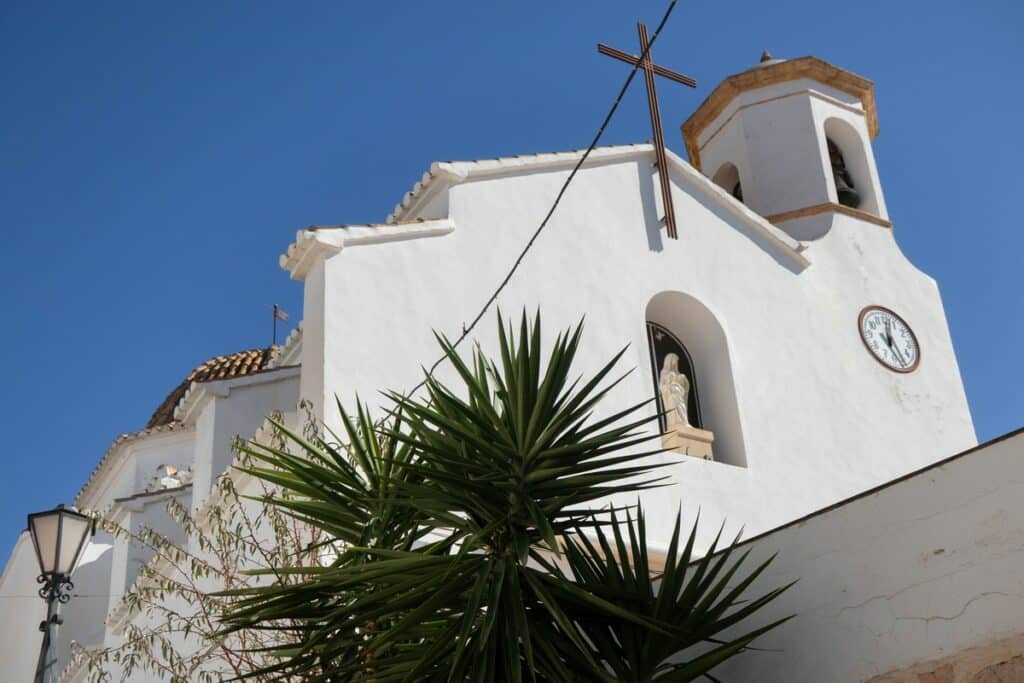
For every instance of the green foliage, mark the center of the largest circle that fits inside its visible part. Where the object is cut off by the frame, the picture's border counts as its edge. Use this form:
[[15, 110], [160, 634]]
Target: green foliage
[[451, 524], [693, 600]]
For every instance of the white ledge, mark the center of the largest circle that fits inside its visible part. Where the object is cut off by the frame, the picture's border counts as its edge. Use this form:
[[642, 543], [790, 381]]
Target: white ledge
[[319, 242], [446, 173], [112, 457], [289, 353], [200, 393]]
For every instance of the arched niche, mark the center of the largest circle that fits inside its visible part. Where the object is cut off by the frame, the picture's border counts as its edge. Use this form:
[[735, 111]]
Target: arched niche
[[698, 330], [855, 156], [727, 177]]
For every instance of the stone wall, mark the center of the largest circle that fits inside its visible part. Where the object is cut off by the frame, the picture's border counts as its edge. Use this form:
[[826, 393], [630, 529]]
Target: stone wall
[[998, 662]]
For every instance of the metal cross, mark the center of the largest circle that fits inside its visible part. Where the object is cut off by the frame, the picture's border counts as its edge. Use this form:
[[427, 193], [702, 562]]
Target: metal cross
[[650, 69]]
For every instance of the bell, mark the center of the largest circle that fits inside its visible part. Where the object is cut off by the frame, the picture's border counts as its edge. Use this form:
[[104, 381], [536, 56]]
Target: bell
[[737, 191], [847, 195], [845, 192]]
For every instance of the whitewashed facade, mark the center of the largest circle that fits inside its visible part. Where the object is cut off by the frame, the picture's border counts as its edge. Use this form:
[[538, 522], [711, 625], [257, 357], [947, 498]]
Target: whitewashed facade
[[765, 294]]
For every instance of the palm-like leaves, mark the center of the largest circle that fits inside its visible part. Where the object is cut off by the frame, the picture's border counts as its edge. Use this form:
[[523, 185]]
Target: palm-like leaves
[[348, 493], [694, 600], [452, 516]]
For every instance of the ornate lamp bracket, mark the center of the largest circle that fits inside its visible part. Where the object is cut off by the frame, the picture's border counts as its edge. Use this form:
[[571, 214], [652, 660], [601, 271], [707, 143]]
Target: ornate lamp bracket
[[55, 587]]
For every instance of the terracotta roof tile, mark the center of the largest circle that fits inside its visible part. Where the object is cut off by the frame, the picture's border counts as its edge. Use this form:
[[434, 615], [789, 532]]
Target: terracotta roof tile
[[221, 367]]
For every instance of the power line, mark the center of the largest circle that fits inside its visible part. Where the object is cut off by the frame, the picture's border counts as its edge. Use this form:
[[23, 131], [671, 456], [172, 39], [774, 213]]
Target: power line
[[36, 596], [466, 329]]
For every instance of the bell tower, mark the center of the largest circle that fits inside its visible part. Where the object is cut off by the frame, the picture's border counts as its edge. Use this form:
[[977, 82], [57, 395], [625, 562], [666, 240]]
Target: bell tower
[[791, 138]]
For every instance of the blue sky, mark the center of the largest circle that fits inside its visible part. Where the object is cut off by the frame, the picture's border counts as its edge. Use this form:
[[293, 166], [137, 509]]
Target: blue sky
[[156, 158]]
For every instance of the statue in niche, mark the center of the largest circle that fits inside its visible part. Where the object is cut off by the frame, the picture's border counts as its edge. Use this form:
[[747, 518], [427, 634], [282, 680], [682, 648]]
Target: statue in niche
[[845, 191], [675, 393]]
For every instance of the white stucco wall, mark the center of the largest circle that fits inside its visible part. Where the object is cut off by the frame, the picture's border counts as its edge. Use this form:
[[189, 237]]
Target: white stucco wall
[[235, 408], [84, 615], [21, 610], [820, 418], [131, 465], [918, 570], [137, 514]]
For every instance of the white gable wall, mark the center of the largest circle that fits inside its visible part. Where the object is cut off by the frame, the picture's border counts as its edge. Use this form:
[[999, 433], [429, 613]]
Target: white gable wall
[[235, 408], [820, 418]]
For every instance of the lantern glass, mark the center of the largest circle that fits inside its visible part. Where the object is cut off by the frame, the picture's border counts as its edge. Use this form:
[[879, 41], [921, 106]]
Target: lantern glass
[[60, 536]]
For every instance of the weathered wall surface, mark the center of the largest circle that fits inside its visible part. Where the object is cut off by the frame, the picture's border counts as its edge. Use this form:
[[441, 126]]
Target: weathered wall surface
[[928, 569]]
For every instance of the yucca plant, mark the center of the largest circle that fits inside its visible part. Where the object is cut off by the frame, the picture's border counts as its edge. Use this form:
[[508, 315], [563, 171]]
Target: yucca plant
[[693, 600], [456, 519]]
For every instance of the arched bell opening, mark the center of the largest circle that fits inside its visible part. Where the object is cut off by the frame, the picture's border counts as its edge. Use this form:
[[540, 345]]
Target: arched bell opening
[[850, 167], [727, 177]]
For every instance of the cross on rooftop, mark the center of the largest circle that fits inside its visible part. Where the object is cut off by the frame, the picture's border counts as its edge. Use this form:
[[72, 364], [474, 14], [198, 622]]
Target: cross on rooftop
[[650, 69]]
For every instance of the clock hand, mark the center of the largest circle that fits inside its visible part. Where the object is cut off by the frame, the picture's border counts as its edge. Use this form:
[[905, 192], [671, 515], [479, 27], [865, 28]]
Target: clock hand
[[899, 354], [892, 346]]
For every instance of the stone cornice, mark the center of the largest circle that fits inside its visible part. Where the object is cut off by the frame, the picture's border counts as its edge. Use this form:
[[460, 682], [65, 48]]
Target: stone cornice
[[319, 242], [139, 501], [826, 208], [444, 174], [289, 353], [113, 455], [200, 393], [770, 74]]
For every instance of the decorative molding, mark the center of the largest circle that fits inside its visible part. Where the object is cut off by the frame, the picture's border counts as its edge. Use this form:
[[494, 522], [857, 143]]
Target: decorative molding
[[444, 174], [199, 393], [321, 241], [811, 92], [288, 353], [138, 501], [768, 74], [438, 177], [109, 458], [825, 208]]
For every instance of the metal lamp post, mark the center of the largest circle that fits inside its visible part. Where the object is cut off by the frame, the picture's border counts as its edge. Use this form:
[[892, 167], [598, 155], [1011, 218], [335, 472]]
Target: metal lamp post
[[59, 536]]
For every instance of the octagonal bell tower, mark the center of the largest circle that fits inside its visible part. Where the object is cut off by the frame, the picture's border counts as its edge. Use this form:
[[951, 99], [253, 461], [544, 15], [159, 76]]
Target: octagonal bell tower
[[791, 138]]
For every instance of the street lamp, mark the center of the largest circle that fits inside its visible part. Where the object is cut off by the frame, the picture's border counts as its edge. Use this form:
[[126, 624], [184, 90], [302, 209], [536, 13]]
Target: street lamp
[[59, 537]]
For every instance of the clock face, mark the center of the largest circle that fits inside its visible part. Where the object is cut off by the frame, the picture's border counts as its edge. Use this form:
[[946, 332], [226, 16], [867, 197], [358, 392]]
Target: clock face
[[889, 339]]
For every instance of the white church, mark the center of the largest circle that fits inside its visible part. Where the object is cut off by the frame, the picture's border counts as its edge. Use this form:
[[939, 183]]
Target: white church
[[812, 388]]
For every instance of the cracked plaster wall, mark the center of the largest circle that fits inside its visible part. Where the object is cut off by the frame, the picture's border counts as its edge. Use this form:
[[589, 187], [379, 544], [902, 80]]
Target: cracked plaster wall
[[919, 571]]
